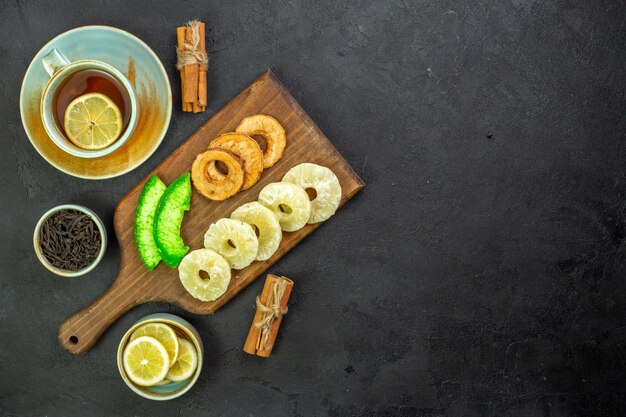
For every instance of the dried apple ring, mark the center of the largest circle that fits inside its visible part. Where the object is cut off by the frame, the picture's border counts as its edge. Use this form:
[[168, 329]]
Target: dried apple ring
[[217, 189], [246, 149], [272, 132]]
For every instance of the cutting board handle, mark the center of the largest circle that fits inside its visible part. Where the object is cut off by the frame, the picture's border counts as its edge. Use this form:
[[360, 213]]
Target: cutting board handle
[[80, 332]]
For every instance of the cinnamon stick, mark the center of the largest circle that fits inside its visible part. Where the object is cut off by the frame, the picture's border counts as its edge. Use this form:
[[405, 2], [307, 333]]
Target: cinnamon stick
[[180, 41], [200, 104], [190, 87], [268, 316]]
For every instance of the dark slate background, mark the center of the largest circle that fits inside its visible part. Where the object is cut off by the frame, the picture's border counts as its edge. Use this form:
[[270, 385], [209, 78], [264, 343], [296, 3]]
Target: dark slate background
[[481, 272]]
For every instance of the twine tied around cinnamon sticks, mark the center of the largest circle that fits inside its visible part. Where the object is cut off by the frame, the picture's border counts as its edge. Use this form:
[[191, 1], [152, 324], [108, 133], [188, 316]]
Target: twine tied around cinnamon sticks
[[190, 54], [192, 63], [271, 306], [271, 312]]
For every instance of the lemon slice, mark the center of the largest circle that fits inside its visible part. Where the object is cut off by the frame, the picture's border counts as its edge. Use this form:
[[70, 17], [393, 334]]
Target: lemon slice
[[164, 334], [161, 383], [145, 361], [93, 121], [186, 364]]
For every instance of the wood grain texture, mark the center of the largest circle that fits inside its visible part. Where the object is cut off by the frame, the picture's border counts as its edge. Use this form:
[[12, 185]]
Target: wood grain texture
[[135, 285]]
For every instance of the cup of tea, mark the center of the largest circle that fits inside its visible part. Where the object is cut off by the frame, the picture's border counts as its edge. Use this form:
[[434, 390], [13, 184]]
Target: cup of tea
[[88, 107]]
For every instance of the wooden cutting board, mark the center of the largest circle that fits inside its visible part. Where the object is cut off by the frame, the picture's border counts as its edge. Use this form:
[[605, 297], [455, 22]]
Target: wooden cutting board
[[135, 285]]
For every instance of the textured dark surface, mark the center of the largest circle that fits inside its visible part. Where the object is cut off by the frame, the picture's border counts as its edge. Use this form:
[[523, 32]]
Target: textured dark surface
[[482, 271]]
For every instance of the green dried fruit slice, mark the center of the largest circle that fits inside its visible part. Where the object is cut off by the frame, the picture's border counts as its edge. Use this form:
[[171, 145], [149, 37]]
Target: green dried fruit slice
[[169, 218], [144, 221]]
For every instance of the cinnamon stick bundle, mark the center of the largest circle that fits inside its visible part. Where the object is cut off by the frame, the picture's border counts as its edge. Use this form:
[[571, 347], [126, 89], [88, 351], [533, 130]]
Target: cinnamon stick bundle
[[192, 64], [271, 306]]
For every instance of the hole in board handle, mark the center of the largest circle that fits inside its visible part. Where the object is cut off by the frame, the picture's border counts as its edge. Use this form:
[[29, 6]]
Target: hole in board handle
[[73, 340]]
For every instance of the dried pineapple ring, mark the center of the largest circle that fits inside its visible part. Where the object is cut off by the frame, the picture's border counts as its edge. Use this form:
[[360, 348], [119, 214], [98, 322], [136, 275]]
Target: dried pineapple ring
[[217, 189], [326, 186], [246, 149], [267, 225], [272, 132], [289, 202], [213, 264], [234, 240]]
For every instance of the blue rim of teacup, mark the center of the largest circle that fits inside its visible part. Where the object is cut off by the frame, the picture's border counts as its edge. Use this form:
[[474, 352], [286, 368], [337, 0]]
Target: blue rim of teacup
[[64, 143], [173, 389], [64, 272]]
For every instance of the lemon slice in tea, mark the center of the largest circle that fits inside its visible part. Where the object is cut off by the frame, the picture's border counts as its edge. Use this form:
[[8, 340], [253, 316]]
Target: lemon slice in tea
[[164, 334], [145, 361], [186, 364], [93, 121]]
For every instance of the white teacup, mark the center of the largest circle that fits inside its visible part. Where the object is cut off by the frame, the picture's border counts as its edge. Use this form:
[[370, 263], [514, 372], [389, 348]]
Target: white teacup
[[60, 68]]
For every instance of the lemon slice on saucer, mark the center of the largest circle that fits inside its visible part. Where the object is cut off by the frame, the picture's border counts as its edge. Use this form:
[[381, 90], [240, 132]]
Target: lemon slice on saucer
[[164, 334], [186, 364], [145, 361], [93, 121]]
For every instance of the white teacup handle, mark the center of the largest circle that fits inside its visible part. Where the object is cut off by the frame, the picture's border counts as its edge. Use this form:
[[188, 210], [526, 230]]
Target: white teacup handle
[[54, 61]]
